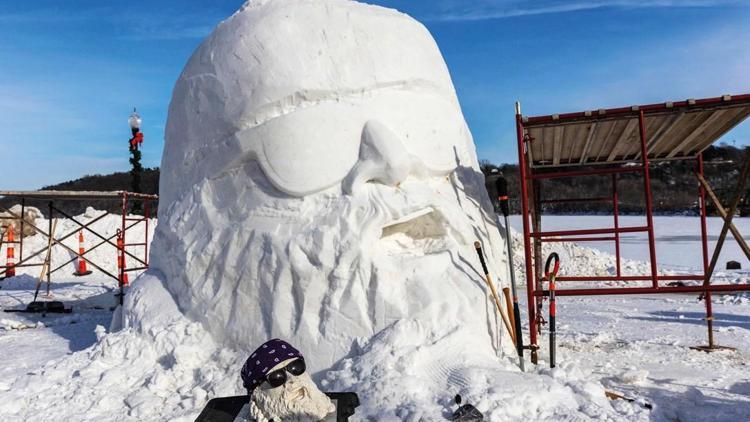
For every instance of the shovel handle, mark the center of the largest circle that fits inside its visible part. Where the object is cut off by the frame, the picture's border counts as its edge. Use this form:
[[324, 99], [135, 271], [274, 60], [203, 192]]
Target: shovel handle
[[553, 257]]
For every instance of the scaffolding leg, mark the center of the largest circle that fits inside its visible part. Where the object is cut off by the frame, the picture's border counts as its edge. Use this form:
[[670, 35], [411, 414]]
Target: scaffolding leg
[[704, 241], [20, 238], [523, 181], [536, 224], [649, 203], [49, 252], [616, 213]]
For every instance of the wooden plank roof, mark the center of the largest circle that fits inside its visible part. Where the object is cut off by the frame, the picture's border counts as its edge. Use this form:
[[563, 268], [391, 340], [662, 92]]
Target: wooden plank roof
[[674, 130]]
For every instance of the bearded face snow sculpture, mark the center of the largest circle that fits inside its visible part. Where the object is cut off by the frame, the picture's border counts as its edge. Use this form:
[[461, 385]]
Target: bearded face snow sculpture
[[319, 181]]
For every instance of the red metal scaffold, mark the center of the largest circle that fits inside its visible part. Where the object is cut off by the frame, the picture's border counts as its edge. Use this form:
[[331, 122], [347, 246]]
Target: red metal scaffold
[[612, 142], [127, 223]]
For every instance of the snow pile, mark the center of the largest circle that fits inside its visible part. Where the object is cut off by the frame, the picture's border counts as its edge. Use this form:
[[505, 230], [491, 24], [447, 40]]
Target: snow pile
[[319, 183], [412, 372], [150, 371]]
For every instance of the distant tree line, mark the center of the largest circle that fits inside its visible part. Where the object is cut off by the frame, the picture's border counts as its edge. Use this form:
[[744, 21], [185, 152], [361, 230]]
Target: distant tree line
[[110, 182], [673, 185]]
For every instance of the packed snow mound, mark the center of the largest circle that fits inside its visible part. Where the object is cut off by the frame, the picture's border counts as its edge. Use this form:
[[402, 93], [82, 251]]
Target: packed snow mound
[[424, 367], [319, 184], [162, 369]]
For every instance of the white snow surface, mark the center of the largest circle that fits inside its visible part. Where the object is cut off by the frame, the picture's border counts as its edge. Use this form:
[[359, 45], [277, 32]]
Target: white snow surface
[[319, 184]]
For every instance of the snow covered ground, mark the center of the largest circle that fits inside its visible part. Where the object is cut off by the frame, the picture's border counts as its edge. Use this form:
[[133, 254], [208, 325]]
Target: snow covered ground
[[636, 346]]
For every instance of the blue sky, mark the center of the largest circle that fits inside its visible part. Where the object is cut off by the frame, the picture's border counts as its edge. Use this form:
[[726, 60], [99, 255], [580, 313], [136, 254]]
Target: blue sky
[[72, 71]]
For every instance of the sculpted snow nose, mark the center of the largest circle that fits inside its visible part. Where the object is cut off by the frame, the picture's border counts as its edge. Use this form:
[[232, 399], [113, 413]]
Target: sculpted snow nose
[[382, 159]]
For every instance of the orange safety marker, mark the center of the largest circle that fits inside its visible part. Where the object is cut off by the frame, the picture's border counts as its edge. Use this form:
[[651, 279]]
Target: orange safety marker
[[10, 253], [82, 269], [121, 261]]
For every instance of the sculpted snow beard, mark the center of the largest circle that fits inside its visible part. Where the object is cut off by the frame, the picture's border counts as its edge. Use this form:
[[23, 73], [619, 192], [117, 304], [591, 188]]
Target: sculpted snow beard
[[298, 400], [315, 269]]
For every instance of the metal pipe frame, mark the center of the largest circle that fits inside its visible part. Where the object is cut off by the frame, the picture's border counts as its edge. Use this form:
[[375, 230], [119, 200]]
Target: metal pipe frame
[[696, 277], [704, 241], [108, 240], [577, 239], [616, 214], [647, 290], [23, 262], [121, 250], [533, 238], [590, 231], [23, 213], [73, 219], [523, 180], [647, 193], [590, 172], [55, 241], [569, 200]]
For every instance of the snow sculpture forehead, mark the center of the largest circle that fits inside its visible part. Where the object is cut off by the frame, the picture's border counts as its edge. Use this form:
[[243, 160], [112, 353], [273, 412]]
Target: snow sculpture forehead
[[292, 84]]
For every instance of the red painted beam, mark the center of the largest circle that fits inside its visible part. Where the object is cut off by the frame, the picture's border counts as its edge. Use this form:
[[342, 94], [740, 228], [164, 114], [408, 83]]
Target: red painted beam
[[578, 239], [648, 290], [633, 111], [568, 200], [695, 277], [589, 231], [590, 172]]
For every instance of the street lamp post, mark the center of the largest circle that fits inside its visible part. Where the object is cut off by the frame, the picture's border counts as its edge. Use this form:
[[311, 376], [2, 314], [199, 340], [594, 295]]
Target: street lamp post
[[135, 156]]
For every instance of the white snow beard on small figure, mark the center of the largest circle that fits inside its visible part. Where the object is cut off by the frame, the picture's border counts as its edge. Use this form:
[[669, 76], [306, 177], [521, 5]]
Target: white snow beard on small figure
[[297, 400]]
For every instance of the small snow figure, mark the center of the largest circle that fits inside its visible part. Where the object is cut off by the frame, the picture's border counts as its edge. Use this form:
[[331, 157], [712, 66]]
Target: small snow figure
[[282, 390]]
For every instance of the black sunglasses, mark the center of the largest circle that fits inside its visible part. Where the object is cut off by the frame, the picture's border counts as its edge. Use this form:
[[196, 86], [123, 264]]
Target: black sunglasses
[[277, 378]]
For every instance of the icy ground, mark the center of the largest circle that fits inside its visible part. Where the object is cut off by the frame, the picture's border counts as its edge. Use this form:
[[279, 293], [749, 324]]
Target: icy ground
[[69, 367]]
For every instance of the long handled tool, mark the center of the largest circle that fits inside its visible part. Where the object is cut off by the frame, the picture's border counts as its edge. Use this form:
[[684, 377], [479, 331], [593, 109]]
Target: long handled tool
[[617, 396], [502, 192], [478, 247], [551, 275], [46, 264]]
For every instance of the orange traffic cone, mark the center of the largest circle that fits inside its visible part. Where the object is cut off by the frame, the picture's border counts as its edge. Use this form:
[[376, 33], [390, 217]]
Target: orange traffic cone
[[121, 261], [82, 268], [10, 253]]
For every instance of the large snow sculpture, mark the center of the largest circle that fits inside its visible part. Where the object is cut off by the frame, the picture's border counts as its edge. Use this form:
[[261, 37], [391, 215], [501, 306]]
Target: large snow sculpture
[[319, 182]]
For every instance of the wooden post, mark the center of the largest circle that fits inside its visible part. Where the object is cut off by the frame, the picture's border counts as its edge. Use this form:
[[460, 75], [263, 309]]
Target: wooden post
[[723, 214]]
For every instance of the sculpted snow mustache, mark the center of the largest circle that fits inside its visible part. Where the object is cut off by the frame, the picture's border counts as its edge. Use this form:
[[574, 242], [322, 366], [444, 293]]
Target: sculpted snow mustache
[[297, 400]]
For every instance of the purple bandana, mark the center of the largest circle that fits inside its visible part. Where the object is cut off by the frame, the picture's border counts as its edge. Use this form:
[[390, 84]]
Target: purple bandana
[[265, 357]]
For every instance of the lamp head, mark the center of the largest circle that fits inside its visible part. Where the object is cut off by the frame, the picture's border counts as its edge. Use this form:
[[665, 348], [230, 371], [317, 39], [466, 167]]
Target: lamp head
[[135, 121]]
